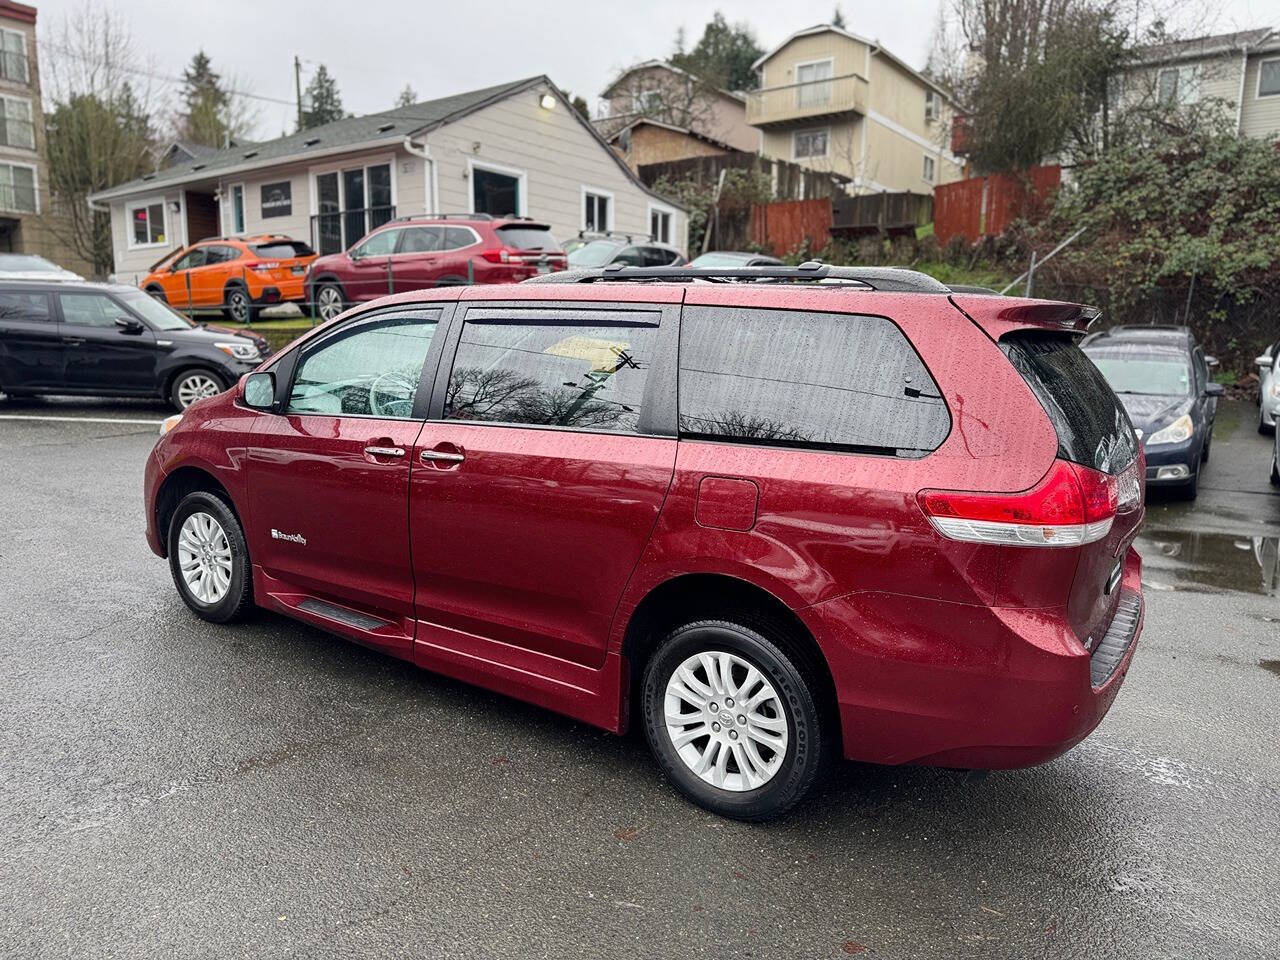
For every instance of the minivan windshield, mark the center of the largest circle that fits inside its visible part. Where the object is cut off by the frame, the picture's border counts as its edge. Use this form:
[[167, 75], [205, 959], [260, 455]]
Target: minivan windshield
[[595, 254], [1149, 376], [159, 315]]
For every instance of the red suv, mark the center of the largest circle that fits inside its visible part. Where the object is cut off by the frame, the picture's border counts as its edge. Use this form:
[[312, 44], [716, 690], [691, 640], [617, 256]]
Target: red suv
[[416, 253], [794, 512]]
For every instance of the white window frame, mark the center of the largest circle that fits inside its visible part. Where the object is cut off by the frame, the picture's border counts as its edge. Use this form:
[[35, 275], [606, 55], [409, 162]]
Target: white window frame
[[148, 202], [244, 208], [813, 156], [651, 208], [932, 105], [1257, 90], [650, 98], [26, 54], [795, 73], [31, 118], [929, 169], [610, 215], [521, 175]]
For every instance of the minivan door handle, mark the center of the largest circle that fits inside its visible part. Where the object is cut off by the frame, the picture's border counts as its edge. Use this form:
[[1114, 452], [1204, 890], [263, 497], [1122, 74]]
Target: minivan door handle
[[376, 451], [445, 454]]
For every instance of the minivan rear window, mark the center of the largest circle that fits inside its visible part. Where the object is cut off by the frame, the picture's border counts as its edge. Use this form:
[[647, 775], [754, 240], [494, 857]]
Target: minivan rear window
[[1090, 421], [528, 238], [283, 249]]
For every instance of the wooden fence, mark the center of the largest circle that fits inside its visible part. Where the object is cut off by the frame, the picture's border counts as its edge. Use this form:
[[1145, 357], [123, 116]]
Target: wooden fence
[[790, 180], [985, 206], [785, 226]]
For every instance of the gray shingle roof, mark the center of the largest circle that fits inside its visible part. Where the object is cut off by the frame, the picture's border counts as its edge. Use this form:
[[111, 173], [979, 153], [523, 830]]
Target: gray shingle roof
[[389, 125], [1201, 46]]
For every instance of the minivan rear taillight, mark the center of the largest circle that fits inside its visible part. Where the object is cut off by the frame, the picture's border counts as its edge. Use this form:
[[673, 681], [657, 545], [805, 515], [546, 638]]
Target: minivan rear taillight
[[1070, 506]]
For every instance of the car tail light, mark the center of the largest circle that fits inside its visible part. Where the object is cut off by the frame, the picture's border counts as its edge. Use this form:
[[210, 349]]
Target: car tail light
[[497, 255], [1070, 506], [263, 265]]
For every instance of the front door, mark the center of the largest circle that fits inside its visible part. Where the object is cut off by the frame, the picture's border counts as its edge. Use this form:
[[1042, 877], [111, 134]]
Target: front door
[[100, 355], [416, 264], [329, 479], [30, 343], [532, 500], [177, 283]]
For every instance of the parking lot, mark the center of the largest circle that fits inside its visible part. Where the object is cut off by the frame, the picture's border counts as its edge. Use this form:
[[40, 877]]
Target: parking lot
[[175, 788]]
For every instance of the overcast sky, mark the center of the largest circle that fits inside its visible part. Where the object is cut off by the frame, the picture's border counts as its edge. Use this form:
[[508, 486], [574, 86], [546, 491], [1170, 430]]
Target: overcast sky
[[375, 47]]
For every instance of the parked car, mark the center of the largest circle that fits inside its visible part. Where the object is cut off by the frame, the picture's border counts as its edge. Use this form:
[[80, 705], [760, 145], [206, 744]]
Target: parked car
[[1275, 458], [1161, 375], [620, 249], [417, 253], [111, 340], [1268, 388], [236, 275], [721, 259], [27, 266], [879, 524]]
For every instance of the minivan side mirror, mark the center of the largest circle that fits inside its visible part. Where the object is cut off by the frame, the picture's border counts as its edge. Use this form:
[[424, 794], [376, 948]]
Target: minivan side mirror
[[259, 391], [129, 325], [1212, 389], [1263, 360]]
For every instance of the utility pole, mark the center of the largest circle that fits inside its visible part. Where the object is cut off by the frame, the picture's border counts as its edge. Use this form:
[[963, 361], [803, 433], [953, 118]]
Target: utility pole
[[297, 86]]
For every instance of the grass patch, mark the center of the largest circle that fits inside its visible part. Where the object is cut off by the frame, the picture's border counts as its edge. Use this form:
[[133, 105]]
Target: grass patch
[[980, 276]]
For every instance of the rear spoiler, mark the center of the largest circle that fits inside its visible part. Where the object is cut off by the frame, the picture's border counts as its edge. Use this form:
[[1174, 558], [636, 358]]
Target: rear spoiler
[[1001, 315]]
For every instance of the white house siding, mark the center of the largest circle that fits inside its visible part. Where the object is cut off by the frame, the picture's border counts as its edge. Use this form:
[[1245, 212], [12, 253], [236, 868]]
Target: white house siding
[[558, 158], [135, 261], [1260, 116]]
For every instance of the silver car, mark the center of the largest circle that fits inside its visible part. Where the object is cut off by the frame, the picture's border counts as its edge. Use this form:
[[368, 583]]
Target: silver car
[[1268, 388]]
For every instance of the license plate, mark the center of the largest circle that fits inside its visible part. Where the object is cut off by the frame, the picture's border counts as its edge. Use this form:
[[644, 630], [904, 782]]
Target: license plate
[[544, 268]]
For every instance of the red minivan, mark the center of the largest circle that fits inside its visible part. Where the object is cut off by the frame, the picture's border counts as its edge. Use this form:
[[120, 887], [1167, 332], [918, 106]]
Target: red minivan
[[790, 513], [417, 253]]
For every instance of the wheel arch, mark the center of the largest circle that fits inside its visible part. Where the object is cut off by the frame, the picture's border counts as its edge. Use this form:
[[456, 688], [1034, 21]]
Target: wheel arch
[[699, 596], [187, 479], [187, 364]]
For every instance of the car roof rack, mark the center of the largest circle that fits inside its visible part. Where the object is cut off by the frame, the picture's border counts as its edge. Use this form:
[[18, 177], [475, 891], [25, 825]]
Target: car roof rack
[[885, 279], [457, 216], [630, 236]]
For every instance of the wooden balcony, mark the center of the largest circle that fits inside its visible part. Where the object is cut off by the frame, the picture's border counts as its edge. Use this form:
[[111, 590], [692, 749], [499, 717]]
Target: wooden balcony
[[801, 102]]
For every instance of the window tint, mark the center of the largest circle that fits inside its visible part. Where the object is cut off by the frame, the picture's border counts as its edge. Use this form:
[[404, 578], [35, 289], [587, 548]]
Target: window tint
[[24, 306], [370, 369], [1092, 426], [806, 379], [420, 240], [191, 259], [379, 245], [527, 238], [656, 257], [631, 256], [282, 249], [219, 254], [455, 237], [575, 376], [90, 309]]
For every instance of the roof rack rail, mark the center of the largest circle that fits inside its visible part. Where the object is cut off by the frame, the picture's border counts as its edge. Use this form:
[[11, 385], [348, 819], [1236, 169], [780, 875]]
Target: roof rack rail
[[885, 279], [444, 216], [629, 235]]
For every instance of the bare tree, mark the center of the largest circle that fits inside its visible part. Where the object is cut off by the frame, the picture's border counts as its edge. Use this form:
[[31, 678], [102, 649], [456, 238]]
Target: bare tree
[[664, 94]]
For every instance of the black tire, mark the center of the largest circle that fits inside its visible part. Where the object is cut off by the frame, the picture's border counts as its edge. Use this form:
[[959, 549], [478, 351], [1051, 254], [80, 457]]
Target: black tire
[[157, 293], [177, 388], [328, 300], [1189, 491], [1275, 470], [803, 758], [237, 601], [239, 305], [1204, 451]]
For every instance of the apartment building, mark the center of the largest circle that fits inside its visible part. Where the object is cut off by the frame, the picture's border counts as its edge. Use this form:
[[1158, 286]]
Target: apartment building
[[27, 222], [840, 103], [1239, 72]]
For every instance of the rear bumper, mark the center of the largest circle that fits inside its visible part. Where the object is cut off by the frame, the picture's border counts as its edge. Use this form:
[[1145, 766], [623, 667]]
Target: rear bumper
[[969, 686]]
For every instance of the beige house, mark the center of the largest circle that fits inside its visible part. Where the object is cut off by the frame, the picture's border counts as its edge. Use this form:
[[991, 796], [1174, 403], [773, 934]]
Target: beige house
[[514, 149], [644, 141], [28, 222], [1239, 72], [657, 91], [837, 102]]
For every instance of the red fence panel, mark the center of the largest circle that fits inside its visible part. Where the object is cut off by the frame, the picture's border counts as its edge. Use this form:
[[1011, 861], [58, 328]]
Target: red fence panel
[[985, 206], [957, 210], [782, 227]]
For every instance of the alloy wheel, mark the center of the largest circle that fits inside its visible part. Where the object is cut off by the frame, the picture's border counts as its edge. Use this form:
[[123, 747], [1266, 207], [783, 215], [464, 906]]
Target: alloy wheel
[[238, 304], [197, 386], [726, 721], [328, 302], [204, 557]]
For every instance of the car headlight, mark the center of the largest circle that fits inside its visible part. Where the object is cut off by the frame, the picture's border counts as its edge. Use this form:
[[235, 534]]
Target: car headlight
[[168, 423], [1275, 386], [1181, 429], [240, 350]]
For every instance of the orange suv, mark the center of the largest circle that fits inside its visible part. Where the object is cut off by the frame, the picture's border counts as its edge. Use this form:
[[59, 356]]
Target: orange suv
[[237, 275]]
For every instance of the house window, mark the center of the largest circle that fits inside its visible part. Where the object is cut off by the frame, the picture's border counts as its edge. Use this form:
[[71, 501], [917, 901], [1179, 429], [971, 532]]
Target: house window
[[813, 83], [932, 106], [17, 188], [497, 192], [350, 203], [16, 128], [597, 213], [928, 170], [660, 225], [13, 56], [807, 144], [146, 224], [647, 101], [237, 208], [1178, 86], [1269, 78]]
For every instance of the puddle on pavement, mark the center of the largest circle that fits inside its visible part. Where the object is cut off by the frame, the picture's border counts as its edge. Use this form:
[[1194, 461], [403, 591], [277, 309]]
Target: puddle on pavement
[[1186, 560], [1272, 666]]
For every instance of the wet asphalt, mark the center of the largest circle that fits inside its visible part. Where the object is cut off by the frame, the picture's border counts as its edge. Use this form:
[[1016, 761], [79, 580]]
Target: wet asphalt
[[172, 788]]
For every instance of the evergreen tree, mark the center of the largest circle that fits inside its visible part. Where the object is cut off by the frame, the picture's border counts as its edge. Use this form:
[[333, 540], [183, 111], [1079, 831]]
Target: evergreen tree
[[407, 97], [323, 100], [723, 56], [205, 104], [837, 18]]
